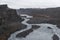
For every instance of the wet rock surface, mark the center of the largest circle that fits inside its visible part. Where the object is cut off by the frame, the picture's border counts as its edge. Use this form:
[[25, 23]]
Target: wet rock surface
[[49, 27], [55, 37], [35, 26], [24, 33]]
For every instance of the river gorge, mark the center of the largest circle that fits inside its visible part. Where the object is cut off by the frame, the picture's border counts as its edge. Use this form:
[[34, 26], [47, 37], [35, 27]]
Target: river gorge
[[44, 32]]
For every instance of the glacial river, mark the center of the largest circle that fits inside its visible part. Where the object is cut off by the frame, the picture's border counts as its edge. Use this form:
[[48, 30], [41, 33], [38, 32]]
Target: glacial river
[[42, 33]]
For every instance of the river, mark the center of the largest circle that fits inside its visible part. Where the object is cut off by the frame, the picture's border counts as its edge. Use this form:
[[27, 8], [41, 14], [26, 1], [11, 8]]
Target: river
[[42, 33]]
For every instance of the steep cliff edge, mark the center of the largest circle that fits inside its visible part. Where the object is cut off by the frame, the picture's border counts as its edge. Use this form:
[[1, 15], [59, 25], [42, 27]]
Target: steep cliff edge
[[9, 22]]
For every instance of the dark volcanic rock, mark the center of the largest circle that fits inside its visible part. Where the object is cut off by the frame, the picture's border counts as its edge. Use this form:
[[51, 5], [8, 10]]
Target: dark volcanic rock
[[49, 27], [55, 22], [35, 26], [3, 7], [8, 15], [27, 32], [9, 22], [55, 37], [24, 33], [58, 26]]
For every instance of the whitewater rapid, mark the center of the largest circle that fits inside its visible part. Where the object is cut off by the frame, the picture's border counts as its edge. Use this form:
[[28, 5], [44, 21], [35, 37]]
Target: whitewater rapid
[[42, 33]]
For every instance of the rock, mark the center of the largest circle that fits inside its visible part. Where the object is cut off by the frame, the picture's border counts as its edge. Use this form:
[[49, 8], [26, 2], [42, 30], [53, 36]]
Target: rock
[[8, 15], [27, 32], [55, 37], [9, 22], [49, 27], [24, 33], [2, 7], [35, 26], [0, 21], [58, 26]]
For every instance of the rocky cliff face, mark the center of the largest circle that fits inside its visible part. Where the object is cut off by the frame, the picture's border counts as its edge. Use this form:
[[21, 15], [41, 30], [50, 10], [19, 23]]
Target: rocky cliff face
[[9, 22], [8, 15]]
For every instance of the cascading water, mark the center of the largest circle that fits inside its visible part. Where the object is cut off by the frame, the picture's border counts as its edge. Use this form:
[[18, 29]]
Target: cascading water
[[42, 33]]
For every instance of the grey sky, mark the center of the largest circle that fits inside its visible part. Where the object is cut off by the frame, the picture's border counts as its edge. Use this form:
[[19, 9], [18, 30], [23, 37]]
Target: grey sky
[[31, 3]]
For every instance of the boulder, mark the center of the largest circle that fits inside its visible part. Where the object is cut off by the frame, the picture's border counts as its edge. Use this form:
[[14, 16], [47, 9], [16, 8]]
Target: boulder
[[55, 37]]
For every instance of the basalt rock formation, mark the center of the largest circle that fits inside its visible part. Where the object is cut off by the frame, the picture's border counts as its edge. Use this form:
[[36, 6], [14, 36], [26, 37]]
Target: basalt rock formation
[[9, 22]]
